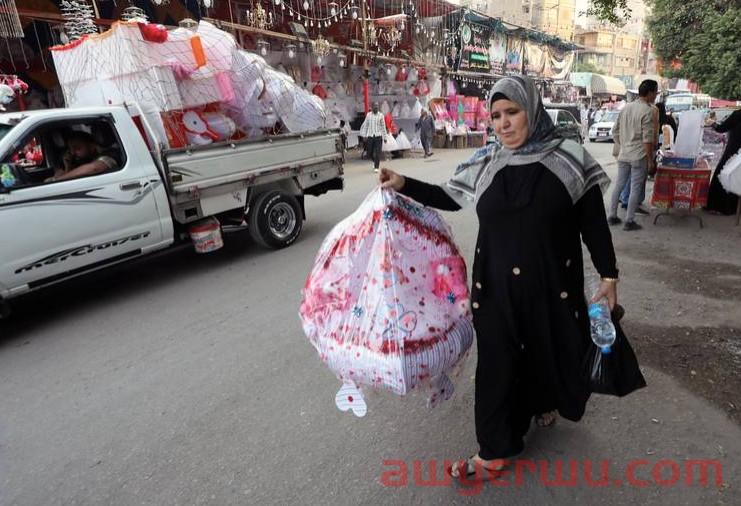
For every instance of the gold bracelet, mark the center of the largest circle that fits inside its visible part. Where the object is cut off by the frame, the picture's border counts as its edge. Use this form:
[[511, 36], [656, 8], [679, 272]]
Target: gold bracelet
[[611, 280]]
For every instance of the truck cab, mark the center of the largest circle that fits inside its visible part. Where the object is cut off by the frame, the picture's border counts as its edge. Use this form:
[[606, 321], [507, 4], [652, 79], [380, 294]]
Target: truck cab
[[55, 228]]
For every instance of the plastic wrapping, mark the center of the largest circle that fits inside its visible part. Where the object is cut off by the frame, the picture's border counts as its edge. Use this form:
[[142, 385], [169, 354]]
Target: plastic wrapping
[[402, 142], [386, 303], [389, 143], [730, 175]]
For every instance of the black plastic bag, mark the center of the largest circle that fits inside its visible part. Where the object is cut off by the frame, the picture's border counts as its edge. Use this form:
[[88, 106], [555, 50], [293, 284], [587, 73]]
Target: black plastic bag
[[615, 373]]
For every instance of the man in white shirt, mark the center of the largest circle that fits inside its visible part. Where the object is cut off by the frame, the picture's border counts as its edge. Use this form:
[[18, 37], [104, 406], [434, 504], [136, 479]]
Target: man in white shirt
[[373, 131], [634, 135]]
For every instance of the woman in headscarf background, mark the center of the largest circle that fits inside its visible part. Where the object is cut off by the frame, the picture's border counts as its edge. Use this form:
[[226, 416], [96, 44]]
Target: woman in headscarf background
[[536, 195]]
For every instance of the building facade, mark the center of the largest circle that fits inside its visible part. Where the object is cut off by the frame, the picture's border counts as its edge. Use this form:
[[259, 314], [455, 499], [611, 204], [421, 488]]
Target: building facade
[[613, 52], [555, 17]]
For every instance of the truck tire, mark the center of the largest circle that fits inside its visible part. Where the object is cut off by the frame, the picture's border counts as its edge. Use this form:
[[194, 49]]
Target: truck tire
[[275, 219]]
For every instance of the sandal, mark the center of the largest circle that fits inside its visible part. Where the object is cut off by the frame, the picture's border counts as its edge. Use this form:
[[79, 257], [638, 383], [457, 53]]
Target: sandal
[[547, 419], [472, 464]]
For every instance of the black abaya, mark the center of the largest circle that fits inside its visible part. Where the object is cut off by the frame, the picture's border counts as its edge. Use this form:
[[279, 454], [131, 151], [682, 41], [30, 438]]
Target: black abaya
[[718, 199], [528, 299]]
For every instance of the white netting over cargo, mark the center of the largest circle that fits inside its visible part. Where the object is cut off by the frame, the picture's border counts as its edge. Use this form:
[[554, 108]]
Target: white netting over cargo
[[195, 87]]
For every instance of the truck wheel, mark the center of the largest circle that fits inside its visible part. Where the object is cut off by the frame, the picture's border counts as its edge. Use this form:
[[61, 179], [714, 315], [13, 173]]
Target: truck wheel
[[275, 219]]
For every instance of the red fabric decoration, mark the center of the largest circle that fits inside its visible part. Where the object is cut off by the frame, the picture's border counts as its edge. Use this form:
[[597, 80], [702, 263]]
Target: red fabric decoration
[[316, 73], [680, 188], [153, 33], [390, 125], [402, 74], [319, 91], [422, 73]]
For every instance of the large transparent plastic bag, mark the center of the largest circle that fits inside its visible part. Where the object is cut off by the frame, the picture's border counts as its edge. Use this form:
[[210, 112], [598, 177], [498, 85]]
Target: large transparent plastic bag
[[386, 303]]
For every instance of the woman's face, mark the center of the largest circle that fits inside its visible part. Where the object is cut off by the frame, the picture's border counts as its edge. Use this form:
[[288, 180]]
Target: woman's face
[[510, 123]]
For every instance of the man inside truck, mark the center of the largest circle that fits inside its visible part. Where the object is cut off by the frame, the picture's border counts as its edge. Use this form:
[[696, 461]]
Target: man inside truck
[[84, 157]]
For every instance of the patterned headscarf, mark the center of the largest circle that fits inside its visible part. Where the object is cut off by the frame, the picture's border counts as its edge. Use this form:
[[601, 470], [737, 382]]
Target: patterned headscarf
[[568, 160]]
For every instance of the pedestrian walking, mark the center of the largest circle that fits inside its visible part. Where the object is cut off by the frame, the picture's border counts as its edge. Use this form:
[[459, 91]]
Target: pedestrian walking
[[536, 196], [426, 131], [634, 134], [373, 130], [660, 119]]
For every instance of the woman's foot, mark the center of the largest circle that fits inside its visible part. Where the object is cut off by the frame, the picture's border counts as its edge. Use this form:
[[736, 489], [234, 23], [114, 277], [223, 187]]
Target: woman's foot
[[546, 419], [474, 465]]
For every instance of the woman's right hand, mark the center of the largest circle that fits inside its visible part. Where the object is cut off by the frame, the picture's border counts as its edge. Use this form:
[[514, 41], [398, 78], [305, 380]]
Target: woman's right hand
[[390, 179]]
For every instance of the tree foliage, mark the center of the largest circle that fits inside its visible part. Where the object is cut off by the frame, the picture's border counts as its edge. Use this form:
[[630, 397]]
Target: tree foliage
[[615, 12], [703, 36]]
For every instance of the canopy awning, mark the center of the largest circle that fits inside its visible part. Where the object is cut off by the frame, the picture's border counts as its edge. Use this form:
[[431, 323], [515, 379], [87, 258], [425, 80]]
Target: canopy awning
[[606, 85]]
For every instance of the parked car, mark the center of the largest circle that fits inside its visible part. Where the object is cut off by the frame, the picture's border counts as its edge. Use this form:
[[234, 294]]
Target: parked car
[[602, 130], [566, 124]]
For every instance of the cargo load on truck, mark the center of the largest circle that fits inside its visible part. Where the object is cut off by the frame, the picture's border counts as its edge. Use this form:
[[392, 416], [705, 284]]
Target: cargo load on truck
[[194, 87]]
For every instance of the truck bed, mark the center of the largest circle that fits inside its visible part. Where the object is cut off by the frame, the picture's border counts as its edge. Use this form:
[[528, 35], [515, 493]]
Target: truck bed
[[208, 180], [255, 161]]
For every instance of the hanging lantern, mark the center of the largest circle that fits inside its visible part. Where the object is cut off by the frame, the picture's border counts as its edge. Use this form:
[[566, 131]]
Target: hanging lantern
[[278, 2], [333, 8], [290, 50], [354, 12], [306, 5], [418, 26], [259, 18], [320, 47], [342, 58], [262, 47]]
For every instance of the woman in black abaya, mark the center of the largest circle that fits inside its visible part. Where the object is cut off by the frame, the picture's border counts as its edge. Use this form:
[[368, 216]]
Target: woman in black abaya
[[719, 200], [536, 196]]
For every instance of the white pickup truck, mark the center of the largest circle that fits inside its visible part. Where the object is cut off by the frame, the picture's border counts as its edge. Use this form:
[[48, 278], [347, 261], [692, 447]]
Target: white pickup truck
[[55, 230]]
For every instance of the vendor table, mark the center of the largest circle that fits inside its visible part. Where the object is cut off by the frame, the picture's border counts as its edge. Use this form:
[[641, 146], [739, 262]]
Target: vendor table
[[684, 189]]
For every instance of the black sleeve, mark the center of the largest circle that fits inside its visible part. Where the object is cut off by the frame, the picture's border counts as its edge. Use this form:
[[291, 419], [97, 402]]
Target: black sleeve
[[596, 233], [730, 122], [430, 195]]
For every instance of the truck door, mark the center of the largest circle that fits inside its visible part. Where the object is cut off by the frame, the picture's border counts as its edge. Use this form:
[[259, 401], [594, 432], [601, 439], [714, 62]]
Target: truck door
[[55, 227]]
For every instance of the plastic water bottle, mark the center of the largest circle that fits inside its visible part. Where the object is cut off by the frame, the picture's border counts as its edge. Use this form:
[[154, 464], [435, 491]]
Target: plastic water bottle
[[602, 328]]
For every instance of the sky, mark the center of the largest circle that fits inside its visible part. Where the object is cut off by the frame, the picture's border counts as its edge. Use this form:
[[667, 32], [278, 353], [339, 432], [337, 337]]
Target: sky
[[581, 5]]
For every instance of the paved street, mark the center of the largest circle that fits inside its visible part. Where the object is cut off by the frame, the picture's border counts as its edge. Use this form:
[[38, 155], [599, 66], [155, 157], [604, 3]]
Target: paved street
[[188, 380]]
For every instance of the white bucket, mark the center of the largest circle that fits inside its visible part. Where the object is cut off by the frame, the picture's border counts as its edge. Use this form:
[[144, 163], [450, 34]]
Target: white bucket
[[206, 235]]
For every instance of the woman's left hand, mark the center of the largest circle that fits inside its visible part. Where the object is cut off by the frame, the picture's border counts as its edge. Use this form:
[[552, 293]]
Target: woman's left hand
[[607, 289]]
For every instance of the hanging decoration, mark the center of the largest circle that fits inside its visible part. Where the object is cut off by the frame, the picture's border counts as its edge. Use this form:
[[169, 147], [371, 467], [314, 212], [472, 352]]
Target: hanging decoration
[[161, 2], [320, 47], [391, 37], [78, 18], [263, 47], [290, 50], [10, 22], [314, 15], [259, 18], [134, 13]]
